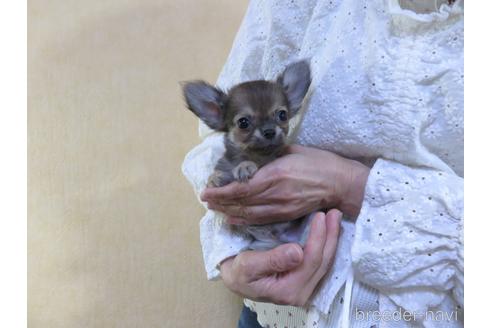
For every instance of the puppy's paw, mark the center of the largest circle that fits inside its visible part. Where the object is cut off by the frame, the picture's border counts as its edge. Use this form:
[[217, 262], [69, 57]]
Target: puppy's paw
[[215, 180], [244, 171]]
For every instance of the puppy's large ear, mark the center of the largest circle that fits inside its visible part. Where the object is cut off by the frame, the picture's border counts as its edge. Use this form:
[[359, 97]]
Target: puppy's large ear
[[206, 102], [295, 80]]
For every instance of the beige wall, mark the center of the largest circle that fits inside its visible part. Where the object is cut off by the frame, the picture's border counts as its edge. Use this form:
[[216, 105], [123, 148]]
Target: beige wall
[[113, 225]]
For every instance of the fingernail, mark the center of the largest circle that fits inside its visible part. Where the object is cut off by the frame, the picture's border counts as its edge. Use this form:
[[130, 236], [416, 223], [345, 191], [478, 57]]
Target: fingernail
[[319, 219], [294, 254]]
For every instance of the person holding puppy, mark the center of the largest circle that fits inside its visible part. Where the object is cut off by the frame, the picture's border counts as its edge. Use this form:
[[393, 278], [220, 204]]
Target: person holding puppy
[[379, 138]]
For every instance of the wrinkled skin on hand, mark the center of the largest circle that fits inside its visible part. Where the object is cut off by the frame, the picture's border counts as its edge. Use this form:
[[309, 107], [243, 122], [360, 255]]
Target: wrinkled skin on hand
[[288, 274]]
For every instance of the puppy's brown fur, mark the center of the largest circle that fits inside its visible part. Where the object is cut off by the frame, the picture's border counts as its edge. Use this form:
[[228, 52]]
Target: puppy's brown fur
[[254, 117]]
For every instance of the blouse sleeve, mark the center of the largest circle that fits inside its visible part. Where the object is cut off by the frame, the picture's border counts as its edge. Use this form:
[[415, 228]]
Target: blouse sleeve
[[409, 235]]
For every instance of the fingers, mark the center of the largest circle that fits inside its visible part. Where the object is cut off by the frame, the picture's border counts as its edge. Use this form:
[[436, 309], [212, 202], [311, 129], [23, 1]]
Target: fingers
[[295, 287], [286, 274], [234, 191], [319, 253], [280, 259], [261, 181], [230, 191], [273, 193], [237, 220], [313, 250], [238, 214], [251, 266], [332, 221], [226, 272]]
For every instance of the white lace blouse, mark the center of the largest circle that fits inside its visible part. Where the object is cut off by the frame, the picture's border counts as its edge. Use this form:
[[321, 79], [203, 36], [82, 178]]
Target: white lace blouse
[[387, 90]]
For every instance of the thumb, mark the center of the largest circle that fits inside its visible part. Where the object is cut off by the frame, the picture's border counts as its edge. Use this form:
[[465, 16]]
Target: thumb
[[280, 259]]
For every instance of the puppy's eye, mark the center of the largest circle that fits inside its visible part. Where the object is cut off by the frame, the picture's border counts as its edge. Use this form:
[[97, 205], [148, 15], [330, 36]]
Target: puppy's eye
[[243, 123], [282, 115]]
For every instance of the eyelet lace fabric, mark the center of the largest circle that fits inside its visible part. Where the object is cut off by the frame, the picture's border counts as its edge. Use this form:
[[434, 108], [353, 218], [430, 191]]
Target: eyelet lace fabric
[[387, 90]]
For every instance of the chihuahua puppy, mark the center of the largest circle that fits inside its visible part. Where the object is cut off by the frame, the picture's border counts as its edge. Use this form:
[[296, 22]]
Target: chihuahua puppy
[[254, 117]]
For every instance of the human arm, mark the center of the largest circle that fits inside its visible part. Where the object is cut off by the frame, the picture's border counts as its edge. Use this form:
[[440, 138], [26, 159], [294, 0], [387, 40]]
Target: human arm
[[409, 235]]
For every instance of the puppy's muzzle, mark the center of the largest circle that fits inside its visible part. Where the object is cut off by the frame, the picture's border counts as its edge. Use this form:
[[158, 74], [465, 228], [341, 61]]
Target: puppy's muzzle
[[268, 134]]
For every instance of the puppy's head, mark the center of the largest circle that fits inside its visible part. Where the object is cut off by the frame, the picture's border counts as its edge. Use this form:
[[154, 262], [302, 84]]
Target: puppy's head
[[255, 115]]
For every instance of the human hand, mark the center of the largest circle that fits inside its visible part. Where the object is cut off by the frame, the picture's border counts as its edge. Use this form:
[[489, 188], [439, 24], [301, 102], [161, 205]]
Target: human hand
[[286, 275], [303, 181]]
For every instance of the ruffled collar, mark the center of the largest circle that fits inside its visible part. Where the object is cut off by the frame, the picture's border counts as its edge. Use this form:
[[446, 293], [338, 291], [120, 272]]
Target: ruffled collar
[[442, 13]]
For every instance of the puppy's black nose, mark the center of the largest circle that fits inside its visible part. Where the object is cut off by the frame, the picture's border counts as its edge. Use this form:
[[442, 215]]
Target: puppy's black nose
[[269, 133]]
